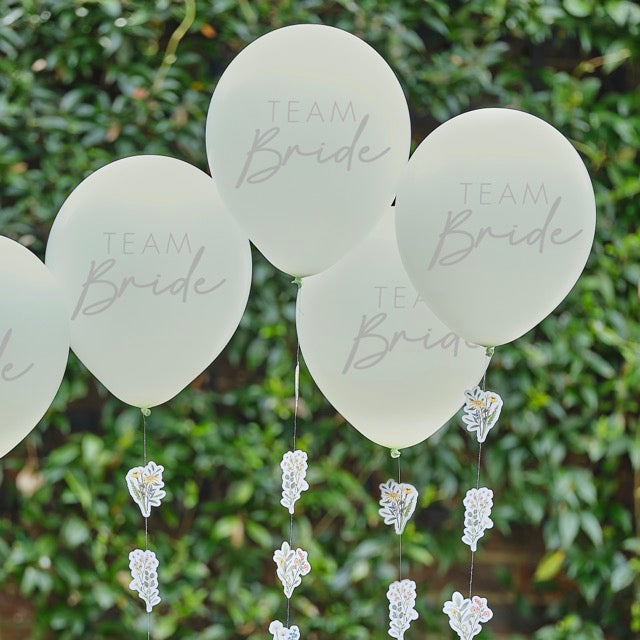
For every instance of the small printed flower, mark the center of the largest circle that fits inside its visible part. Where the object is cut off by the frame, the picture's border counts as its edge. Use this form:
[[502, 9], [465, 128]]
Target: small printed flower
[[478, 503], [145, 486], [294, 471], [481, 411], [397, 503], [280, 632], [453, 606], [402, 600], [465, 615], [290, 567], [144, 566]]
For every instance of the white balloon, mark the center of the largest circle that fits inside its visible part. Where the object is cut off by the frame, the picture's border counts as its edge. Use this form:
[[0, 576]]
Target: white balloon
[[34, 342], [495, 221], [156, 272], [307, 134], [377, 352]]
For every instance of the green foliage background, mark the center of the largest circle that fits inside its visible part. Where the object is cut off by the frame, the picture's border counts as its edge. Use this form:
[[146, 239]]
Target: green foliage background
[[86, 82]]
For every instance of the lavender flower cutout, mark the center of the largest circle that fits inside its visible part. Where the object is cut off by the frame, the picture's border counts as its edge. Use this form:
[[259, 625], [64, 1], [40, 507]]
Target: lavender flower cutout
[[144, 566], [397, 502], [466, 614], [294, 471], [478, 503], [481, 411], [402, 600]]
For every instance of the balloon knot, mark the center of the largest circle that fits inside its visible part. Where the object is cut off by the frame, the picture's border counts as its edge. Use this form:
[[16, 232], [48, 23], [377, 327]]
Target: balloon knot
[[490, 351], [145, 412], [395, 453], [298, 281]]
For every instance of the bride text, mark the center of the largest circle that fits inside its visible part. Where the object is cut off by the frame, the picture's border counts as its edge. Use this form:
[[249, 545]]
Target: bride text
[[100, 290], [7, 368], [456, 243], [372, 344], [265, 159]]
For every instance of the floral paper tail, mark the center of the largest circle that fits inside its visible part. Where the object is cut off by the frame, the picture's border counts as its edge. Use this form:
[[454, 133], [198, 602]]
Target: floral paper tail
[[402, 600], [466, 614], [290, 567], [145, 486], [294, 471], [397, 502], [481, 411], [478, 503], [144, 566], [280, 632]]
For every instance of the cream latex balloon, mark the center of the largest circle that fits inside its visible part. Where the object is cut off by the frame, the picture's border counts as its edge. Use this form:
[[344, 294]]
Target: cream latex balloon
[[377, 352], [34, 342], [307, 133], [495, 221], [156, 273]]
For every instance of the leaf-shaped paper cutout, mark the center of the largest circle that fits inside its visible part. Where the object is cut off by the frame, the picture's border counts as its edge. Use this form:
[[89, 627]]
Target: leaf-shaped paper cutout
[[294, 471], [477, 503], [144, 566], [145, 486], [402, 600]]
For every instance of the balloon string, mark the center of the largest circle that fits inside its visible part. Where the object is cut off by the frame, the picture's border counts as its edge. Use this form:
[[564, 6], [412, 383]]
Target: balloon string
[[145, 413], [296, 404], [400, 536], [144, 463], [473, 553], [288, 611], [296, 384]]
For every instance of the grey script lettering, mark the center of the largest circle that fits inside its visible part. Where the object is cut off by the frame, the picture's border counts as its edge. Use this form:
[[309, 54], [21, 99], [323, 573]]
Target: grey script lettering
[[8, 367], [269, 159], [371, 346], [456, 243], [99, 292]]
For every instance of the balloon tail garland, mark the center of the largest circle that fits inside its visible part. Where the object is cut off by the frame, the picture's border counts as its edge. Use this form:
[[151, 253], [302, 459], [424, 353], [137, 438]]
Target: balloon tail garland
[[145, 485], [481, 412], [397, 503], [291, 564]]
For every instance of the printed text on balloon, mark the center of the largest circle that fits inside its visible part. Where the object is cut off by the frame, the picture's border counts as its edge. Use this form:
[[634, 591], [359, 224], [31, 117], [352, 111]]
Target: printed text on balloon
[[270, 159], [4, 372], [456, 242]]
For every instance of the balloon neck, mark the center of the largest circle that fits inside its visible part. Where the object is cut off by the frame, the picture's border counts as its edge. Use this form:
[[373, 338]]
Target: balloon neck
[[490, 351], [395, 453], [297, 281], [146, 412]]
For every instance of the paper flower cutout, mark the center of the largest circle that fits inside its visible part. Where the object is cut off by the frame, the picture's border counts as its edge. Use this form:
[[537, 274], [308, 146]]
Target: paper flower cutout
[[144, 566], [478, 503], [294, 470], [481, 411], [291, 566], [402, 600], [465, 615], [145, 486], [280, 632], [398, 502]]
